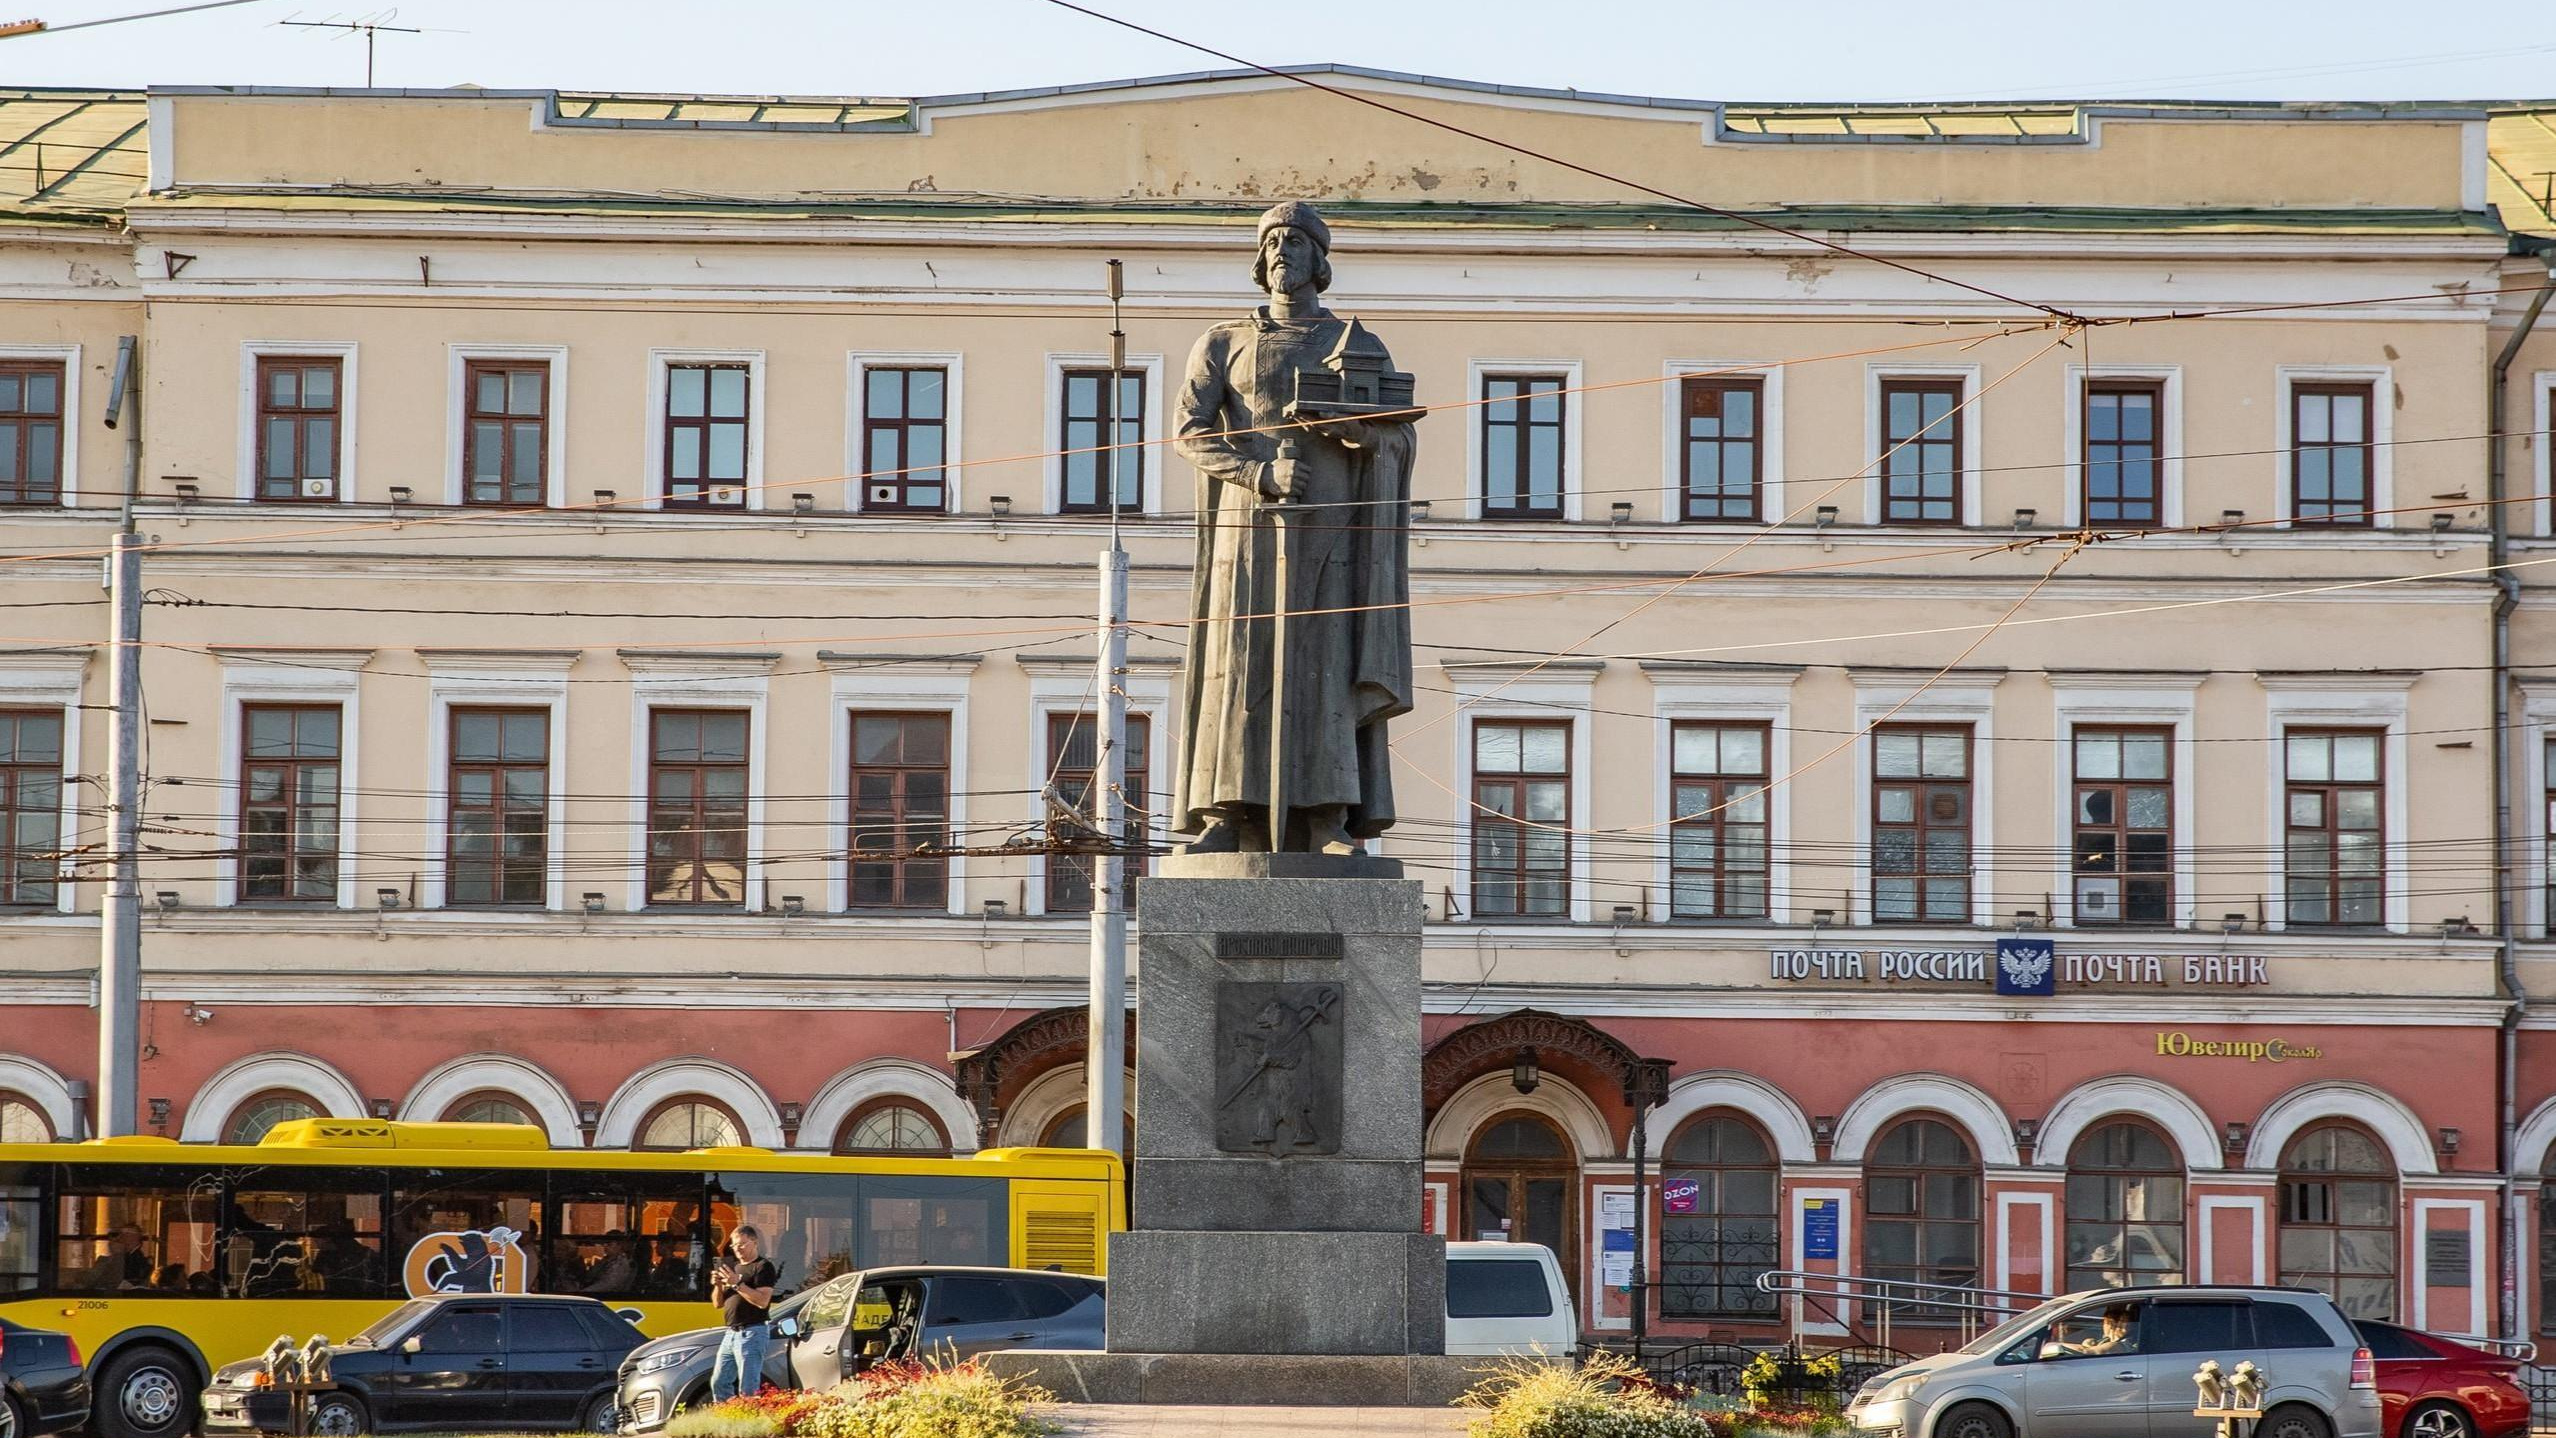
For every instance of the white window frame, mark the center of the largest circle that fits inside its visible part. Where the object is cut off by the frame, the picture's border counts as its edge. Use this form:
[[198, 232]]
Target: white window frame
[[1968, 422], [653, 441], [554, 489], [1681, 694], [678, 680], [2102, 701], [2382, 382], [1158, 456], [855, 415], [2537, 729], [313, 676], [1951, 699], [2542, 412], [1561, 689], [481, 679], [68, 356], [1770, 437], [1477, 372], [2351, 701], [906, 686], [344, 352], [1063, 685], [51, 679], [2072, 507]]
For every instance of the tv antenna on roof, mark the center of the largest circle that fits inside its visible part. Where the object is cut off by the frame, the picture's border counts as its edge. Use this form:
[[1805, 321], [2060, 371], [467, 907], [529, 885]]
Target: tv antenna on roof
[[368, 27]]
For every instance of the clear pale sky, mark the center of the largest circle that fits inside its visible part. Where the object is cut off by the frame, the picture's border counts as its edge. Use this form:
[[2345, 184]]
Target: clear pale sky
[[1701, 49]]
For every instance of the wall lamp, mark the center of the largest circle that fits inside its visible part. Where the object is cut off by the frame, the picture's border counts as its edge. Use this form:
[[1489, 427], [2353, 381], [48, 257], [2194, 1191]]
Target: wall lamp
[[2440, 534], [167, 899], [791, 1113], [793, 905], [1821, 519], [2232, 923], [589, 1116], [604, 500], [384, 1108], [1419, 516], [387, 898], [802, 504], [2027, 1130], [591, 903], [160, 1113], [1000, 507], [2449, 1142], [1823, 1128], [401, 494], [1622, 914], [2230, 522], [1618, 515], [2024, 518], [1820, 919], [1526, 1074], [2027, 919], [186, 491]]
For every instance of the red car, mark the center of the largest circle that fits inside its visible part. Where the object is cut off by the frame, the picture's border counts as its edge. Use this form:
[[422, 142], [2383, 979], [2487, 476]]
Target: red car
[[2437, 1388]]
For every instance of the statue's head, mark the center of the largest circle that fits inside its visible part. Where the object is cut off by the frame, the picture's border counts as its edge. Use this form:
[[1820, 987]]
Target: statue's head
[[1295, 248]]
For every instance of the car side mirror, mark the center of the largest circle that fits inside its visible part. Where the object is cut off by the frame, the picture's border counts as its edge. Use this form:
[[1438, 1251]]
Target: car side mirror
[[787, 1328], [412, 1344]]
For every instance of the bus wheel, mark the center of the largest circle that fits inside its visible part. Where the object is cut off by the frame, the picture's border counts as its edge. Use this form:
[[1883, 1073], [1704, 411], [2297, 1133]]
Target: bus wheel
[[336, 1415], [146, 1392]]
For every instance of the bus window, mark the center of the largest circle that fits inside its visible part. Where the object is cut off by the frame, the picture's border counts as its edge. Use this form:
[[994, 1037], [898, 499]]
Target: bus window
[[21, 1220], [626, 1235], [465, 1230], [294, 1231], [806, 1219], [922, 1219], [129, 1227]]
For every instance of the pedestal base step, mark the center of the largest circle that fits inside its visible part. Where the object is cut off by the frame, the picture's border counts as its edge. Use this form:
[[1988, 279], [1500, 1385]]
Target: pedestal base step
[[1305, 1380]]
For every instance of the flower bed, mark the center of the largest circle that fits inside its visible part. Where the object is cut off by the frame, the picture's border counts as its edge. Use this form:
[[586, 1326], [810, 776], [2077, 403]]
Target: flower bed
[[892, 1400], [1608, 1396]]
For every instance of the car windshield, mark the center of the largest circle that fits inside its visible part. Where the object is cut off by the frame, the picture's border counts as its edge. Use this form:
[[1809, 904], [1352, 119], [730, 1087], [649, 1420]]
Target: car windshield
[[2013, 1328], [392, 1322]]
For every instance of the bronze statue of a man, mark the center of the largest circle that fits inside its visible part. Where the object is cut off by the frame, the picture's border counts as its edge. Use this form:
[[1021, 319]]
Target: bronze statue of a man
[[1299, 609]]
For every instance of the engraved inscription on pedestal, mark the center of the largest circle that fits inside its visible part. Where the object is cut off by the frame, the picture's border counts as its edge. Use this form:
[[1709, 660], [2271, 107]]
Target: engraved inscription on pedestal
[[1278, 1067]]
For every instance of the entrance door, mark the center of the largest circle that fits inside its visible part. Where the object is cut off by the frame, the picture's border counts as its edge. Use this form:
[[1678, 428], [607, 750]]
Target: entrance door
[[1522, 1185]]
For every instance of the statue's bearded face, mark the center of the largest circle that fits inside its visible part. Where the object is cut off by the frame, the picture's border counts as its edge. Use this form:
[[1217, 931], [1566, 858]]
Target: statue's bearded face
[[1290, 258]]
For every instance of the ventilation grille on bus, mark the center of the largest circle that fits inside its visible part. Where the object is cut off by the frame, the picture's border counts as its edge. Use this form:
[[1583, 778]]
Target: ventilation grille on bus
[[1063, 1239]]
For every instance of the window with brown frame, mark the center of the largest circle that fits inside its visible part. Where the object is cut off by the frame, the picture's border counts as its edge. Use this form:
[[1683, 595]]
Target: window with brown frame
[[1085, 431], [1921, 1207], [1921, 451], [31, 431], [30, 807], [707, 412], [2125, 1208], [891, 1125], [2331, 455], [1073, 747], [506, 433], [1521, 818], [900, 802], [2338, 1219], [904, 439], [1921, 824], [298, 402], [1722, 451], [689, 1122], [1717, 834], [1715, 1246], [2124, 825], [1522, 439], [289, 761], [2122, 425], [697, 775], [497, 823], [2335, 812]]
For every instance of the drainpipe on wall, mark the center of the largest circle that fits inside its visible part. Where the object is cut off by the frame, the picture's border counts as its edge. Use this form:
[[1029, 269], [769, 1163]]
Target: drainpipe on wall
[[2506, 867]]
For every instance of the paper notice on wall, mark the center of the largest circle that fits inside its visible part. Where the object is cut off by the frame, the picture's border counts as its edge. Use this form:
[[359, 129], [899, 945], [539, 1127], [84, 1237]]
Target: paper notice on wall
[[1615, 1269], [1615, 1210]]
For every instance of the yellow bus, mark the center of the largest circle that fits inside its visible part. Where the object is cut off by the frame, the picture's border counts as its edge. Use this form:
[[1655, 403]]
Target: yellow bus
[[165, 1261]]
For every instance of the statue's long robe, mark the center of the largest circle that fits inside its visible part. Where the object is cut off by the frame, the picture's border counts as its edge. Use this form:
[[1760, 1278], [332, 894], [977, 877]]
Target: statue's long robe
[[1348, 671]]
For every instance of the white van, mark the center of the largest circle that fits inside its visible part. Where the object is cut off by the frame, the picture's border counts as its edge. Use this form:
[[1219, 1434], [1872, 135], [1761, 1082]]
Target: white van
[[1507, 1298]]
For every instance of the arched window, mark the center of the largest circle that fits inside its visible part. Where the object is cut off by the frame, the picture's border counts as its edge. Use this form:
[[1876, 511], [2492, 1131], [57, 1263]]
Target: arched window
[[684, 1123], [489, 1106], [1921, 1211], [887, 1125], [1066, 1130], [2338, 1219], [21, 1121], [1717, 1220], [250, 1121], [2125, 1208]]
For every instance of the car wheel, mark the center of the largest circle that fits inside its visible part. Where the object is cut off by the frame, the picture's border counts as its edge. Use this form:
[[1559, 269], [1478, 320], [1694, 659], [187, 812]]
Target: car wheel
[[1977, 1420], [145, 1393], [2294, 1420], [10, 1424], [2439, 1420], [339, 1415], [602, 1415]]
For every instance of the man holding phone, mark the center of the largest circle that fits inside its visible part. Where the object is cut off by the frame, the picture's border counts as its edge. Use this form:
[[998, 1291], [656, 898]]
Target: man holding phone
[[741, 1283]]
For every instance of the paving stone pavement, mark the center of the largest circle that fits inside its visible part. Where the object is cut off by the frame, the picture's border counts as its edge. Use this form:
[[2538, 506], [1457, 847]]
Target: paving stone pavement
[[1099, 1420]]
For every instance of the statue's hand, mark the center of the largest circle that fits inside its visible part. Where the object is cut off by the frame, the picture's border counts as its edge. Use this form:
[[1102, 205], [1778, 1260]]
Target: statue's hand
[[1279, 480]]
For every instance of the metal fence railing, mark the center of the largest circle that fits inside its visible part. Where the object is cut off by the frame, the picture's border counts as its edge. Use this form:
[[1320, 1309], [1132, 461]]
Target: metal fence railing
[[1720, 1369], [1873, 1307]]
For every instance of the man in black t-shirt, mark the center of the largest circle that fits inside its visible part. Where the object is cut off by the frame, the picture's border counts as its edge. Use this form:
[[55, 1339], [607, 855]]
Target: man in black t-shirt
[[742, 1287]]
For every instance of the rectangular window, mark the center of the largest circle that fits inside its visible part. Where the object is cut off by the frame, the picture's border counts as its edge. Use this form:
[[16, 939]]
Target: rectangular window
[[900, 802], [1522, 446], [1085, 433], [2124, 461], [298, 404], [1921, 451], [904, 438], [1717, 840], [30, 806], [626, 1234], [697, 768], [1521, 818], [134, 1228], [288, 803], [2330, 453], [506, 432], [30, 432], [706, 410], [1921, 824], [1073, 748], [1723, 446], [2124, 825], [304, 1232], [497, 825], [2336, 813]]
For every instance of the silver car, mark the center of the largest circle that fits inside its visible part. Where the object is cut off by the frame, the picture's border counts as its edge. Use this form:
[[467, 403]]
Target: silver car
[[2118, 1363]]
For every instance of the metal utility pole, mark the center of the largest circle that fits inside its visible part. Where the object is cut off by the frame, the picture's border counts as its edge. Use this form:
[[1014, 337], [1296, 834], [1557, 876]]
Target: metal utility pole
[[1105, 1061], [120, 926]]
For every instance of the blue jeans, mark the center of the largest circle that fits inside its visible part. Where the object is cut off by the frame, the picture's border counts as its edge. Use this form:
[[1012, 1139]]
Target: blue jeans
[[739, 1367]]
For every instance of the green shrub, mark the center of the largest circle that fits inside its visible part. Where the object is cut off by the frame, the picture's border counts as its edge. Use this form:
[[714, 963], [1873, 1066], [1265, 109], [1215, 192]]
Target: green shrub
[[720, 1422], [1606, 1397], [897, 1400]]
